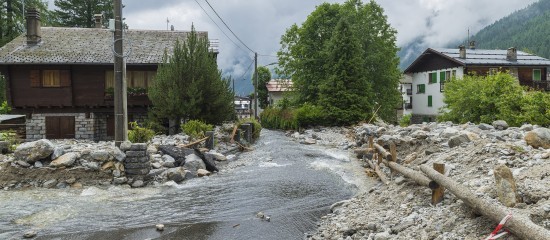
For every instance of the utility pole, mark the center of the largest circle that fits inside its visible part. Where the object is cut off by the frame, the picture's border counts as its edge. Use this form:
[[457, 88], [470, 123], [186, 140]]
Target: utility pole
[[121, 115], [256, 86]]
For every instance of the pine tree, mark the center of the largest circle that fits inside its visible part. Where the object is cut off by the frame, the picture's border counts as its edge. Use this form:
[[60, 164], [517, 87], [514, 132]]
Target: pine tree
[[189, 86], [12, 17], [80, 13], [345, 93]]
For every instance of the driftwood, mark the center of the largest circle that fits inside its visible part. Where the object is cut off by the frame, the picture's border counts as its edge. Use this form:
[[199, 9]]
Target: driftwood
[[383, 152], [519, 224], [233, 133], [418, 177], [193, 143], [378, 172]]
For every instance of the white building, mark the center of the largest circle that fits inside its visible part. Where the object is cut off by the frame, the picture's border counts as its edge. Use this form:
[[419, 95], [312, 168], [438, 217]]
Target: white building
[[242, 107], [405, 88], [434, 67], [276, 89]]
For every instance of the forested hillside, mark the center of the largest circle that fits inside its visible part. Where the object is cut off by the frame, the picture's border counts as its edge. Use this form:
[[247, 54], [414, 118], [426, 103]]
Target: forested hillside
[[527, 29]]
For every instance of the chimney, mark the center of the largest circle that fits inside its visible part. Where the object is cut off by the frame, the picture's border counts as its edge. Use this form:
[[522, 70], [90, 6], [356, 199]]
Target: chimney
[[33, 26], [462, 51], [98, 20], [473, 45], [512, 54]]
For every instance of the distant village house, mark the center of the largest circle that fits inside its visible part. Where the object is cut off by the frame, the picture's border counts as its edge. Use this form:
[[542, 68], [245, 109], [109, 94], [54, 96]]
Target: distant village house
[[276, 88]]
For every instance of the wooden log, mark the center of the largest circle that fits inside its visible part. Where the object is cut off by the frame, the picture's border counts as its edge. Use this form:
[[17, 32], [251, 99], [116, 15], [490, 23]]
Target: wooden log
[[418, 177], [437, 190], [519, 224], [193, 143], [378, 172], [383, 152], [233, 133]]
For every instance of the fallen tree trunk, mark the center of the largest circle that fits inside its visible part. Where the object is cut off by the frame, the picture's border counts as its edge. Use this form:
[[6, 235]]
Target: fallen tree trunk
[[519, 224], [418, 177], [383, 152], [193, 143]]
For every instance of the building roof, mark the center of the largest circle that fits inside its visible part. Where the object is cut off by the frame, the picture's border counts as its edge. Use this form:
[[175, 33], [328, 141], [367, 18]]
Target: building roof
[[90, 46], [480, 57], [279, 85], [5, 117]]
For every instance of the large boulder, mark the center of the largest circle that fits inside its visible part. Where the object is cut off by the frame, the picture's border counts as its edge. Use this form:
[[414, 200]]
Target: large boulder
[[65, 160], [33, 151], [177, 153], [539, 137], [448, 132], [178, 174], [457, 140], [419, 134], [194, 163], [101, 156], [506, 186], [500, 124], [485, 126]]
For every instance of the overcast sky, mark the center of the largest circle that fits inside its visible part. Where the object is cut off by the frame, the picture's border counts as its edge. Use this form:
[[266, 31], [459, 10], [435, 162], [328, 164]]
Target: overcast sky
[[260, 23]]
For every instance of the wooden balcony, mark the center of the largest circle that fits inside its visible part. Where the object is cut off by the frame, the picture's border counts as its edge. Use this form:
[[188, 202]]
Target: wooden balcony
[[539, 85], [132, 100]]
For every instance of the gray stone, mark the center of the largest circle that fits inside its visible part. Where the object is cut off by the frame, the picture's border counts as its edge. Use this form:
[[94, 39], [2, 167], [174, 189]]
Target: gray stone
[[138, 184], [65, 160], [309, 141], [137, 171], [177, 174], [168, 158], [4, 147], [506, 186], [539, 137], [101, 156], [91, 165], [156, 165], [216, 156], [120, 180], [23, 163], [49, 183], [371, 227], [194, 163], [419, 134], [457, 140], [29, 234], [382, 236], [203, 173], [70, 180], [38, 164], [448, 132], [168, 164], [116, 173], [431, 150], [159, 227], [33, 151], [138, 147], [117, 154], [57, 152], [125, 146], [61, 185], [500, 124], [135, 154], [526, 127], [485, 126]]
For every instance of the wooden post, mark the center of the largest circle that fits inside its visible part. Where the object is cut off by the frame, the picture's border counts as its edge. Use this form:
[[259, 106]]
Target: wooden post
[[210, 140], [371, 142], [437, 190]]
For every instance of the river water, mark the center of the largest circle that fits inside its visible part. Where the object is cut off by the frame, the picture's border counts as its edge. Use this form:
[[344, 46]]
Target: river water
[[294, 184]]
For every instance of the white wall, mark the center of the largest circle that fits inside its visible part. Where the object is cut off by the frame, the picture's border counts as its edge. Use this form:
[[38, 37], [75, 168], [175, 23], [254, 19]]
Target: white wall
[[420, 100]]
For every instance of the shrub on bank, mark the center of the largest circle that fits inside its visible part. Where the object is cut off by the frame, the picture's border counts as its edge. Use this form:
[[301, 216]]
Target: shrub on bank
[[196, 128], [278, 118], [139, 134], [309, 115], [405, 120], [257, 126]]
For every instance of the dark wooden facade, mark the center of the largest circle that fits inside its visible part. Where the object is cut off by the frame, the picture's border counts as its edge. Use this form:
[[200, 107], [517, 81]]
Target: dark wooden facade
[[523, 73], [84, 92]]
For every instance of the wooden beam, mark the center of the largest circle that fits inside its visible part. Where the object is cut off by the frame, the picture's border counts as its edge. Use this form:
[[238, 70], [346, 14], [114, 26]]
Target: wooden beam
[[380, 174], [383, 151], [437, 190], [520, 225]]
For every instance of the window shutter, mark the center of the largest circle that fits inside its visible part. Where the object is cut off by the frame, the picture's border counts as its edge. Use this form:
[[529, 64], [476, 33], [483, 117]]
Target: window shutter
[[536, 74], [65, 78], [434, 77], [35, 78], [429, 101], [442, 76]]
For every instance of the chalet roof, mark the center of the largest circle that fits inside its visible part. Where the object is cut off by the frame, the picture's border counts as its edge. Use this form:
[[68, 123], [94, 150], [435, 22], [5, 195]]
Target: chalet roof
[[279, 85], [480, 57], [90, 46]]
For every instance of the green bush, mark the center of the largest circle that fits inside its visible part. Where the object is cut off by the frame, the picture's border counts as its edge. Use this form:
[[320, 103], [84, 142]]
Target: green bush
[[309, 115], [405, 120], [10, 136], [5, 108], [277, 118], [257, 126], [536, 108], [196, 128], [139, 134]]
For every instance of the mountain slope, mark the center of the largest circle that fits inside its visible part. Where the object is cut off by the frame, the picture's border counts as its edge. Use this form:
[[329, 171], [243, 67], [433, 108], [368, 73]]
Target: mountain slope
[[527, 29]]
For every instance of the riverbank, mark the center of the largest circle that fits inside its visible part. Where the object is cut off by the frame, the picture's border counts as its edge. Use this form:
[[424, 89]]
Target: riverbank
[[402, 209], [80, 163]]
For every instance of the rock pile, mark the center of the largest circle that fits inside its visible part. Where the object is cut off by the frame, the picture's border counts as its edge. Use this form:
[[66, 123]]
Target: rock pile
[[70, 163], [477, 156]]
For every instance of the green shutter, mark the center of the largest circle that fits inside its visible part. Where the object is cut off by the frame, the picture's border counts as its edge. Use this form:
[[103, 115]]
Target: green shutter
[[442, 76], [429, 101], [536, 75], [434, 77]]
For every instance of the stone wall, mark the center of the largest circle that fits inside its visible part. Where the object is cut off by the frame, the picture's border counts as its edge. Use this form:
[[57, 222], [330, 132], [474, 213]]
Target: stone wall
[[85, 127], [137, 163], [419, 118]]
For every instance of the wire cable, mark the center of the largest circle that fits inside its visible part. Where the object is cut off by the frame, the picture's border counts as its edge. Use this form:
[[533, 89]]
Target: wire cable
[[242, 77], [219, 26], [228, 26]]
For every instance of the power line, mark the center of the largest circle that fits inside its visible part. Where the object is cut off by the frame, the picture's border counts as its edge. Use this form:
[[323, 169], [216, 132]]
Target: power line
[[242, 77], [228, 26], [219, 26]]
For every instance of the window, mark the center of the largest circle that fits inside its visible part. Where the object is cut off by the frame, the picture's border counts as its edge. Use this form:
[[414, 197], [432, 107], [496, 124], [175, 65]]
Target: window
[[134, 79], [420, 88], [537, 75], [50, 78], [443, 77], [432, 77], [453, 74], [493, 71], [429, 101]]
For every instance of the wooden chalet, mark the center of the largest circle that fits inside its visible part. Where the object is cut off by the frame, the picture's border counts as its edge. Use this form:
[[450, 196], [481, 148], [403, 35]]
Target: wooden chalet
[[62, 78]]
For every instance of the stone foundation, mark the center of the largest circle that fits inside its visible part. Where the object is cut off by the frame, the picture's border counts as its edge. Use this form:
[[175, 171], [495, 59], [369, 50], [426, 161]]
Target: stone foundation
[[419, 118]]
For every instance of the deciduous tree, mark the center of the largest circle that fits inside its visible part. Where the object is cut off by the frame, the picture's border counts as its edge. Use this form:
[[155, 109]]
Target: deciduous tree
[[264, 75]]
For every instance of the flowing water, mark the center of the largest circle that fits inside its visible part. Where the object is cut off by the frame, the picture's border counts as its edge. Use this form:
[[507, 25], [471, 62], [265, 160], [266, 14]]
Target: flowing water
[[293, 184]]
